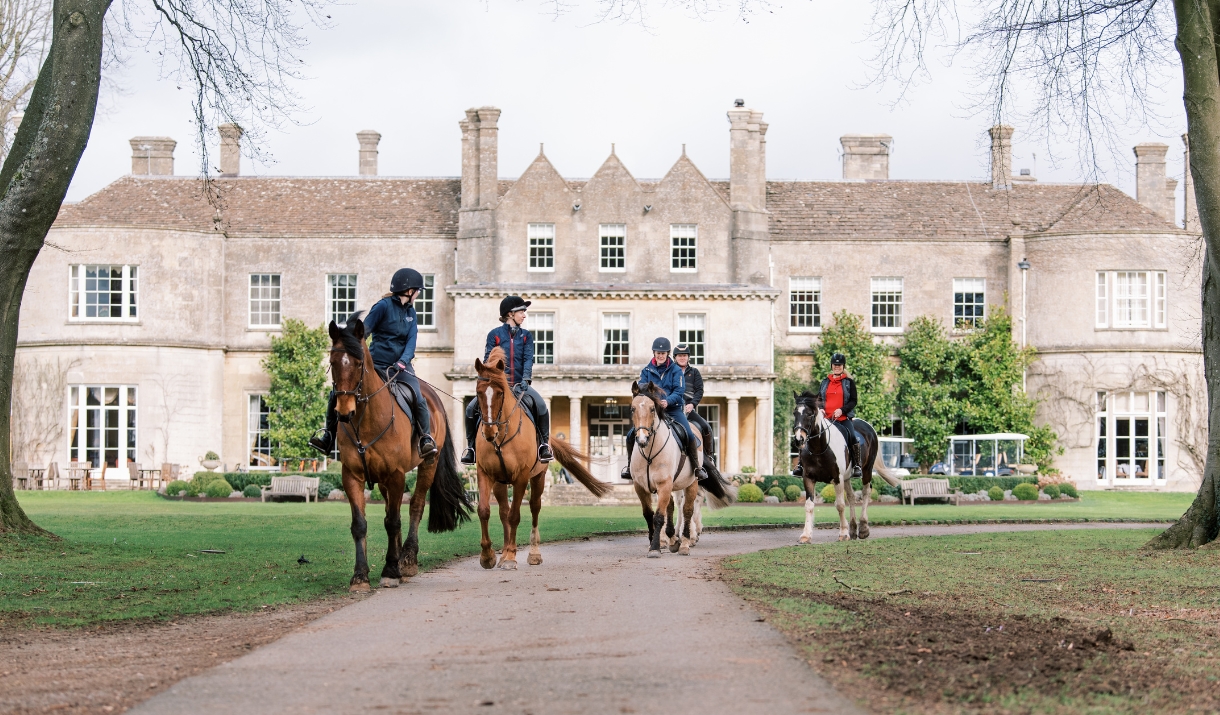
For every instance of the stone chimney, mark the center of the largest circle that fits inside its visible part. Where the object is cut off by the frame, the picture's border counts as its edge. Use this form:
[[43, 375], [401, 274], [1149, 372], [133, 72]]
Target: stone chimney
[[1001, 156], [480, 194], [866, 156], [1152, 187], [230, 149], [748, 195], [1190, 219], [368, 151], [152, 156]]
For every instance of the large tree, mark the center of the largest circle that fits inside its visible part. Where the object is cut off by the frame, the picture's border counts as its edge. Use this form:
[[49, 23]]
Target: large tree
[[236, 55]]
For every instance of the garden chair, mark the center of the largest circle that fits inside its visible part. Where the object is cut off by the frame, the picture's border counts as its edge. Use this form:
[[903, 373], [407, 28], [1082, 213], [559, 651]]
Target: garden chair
[[135, 478], [52, 476], [98, 482], [21, 475], [169, 472]]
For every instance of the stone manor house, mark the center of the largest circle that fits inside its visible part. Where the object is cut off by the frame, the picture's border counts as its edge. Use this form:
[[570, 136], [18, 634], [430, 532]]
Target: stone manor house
[[147, 315]]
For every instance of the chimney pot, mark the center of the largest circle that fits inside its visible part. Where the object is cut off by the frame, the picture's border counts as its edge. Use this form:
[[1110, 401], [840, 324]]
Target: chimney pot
[[1152, 185], [866, 156], [1001, 156], [152, 156], [368, 151], [230, 149]]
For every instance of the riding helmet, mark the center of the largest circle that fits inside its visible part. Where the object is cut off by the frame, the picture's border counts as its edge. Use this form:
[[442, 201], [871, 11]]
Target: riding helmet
[[660, 345], [681, 349], [405, 279], [511, 303], [838, 359]]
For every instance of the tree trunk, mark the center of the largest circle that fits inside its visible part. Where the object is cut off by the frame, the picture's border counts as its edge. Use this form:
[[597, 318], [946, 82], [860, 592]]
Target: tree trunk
[[33, 182], [1196, 43]]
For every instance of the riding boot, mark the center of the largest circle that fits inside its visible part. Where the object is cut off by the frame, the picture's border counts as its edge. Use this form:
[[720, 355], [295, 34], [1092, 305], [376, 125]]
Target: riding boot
[[798, 470], [710, 445], [626, 473], [794, 454], [472, 431], [423, 420], [324, 439], [693, 452], [543, 424], [856, 472]]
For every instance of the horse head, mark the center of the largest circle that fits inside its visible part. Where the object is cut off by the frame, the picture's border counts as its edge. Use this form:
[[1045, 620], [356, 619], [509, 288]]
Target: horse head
[[491, 389], [807, 418], [645, 403], [347, 355]]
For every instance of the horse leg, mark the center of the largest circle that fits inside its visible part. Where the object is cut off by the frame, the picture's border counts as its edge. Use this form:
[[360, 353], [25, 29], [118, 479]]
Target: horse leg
[[354, 488], [390, 574], [670, 532], [807, 534], [868, 490], [508, 551], [690, 494], [646, 503], [839, 505], [658, 518], [408, 562], [537, 483], [697, 522], [853, 527], [487, 555]]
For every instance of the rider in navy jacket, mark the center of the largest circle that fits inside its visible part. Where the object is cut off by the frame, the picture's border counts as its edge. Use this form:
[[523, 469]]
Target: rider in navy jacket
[[668, 376], [518, 346]]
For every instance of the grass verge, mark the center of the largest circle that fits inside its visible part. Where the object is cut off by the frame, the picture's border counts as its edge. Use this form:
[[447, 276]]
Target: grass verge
[[1054, 622]]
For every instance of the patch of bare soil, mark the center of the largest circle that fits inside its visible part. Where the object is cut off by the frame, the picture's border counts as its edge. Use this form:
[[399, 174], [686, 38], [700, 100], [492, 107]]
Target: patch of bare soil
[[937, 660], [110, 668]]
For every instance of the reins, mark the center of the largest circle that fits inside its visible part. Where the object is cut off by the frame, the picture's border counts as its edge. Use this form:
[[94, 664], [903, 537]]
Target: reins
[[648, 459], [353, 433], [498, 444]]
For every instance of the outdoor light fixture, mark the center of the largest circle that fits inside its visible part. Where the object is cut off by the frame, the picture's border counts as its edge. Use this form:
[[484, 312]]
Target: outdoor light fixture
[[1024, 265], [576, 206], [647, 208], [611, 401]]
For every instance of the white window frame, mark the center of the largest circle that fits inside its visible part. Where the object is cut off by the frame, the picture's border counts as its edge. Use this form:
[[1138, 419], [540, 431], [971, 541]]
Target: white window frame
[[78, 423], [885, 285], [1109, 411], [540, 236], [610, 321], [332, 287], [812, 286], [277, 289], [539, 323], [974, 287], [426, 319], [1102, 306], [254, 432], [691, 323], [1126, 304], [612, 232], [129, 288], [679, 236]]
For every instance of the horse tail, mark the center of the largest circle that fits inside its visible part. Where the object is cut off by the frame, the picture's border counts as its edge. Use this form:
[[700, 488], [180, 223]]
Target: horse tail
[[574, 461], [880, 468], [720, 491], [448, 506]]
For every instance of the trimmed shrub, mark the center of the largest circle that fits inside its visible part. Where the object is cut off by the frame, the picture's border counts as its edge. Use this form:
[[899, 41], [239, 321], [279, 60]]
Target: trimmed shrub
[[1069, 489], [218, 489], [1025, 492], [995, 494], [1052, 491], [828, 493], [211, 455], [776, 492], [749, 493], [176, 487], [251, 490], [335, 466], [873, 494], [792, 492]]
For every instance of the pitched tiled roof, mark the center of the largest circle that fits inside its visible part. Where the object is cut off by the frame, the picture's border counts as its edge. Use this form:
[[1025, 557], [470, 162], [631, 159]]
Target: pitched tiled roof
[[829, 210], [276, 206]]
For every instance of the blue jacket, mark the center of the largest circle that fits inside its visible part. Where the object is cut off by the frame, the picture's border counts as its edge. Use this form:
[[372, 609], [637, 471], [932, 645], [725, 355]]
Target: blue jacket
[[669, 379], [518, 346], [394, 330]]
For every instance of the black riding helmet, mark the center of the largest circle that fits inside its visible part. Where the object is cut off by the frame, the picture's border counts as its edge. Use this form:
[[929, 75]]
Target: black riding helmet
[[405, 279], [661, 345], [511, 303], [681, 349], [838, 359]]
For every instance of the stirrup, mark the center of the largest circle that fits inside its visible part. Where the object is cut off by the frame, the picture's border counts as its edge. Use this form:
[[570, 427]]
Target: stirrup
[[544, 453], [700, 474], [798, 471], [626, 473], [468, 456], [427, 446], [323, 441]]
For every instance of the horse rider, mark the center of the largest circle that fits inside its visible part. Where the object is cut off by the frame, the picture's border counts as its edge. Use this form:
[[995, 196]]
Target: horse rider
[[665, 373], [518, 346], [693, 396], [838, 397], [392, 323]]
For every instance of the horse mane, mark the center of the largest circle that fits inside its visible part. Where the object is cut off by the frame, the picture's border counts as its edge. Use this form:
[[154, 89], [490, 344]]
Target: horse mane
[[497, 377], [653, 391], [352, 345], [807, 398]]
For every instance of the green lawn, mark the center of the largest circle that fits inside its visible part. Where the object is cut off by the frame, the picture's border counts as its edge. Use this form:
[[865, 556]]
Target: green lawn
[[936, 641]]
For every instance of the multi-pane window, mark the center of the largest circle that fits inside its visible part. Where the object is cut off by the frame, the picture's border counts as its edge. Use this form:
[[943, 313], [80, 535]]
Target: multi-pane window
[[691, 329], [542, 247], [257, 432], [102, 424], [264, 300], [1131, 436], [425, 303], [1131, 299], [804, 303], [542, 325], [887, 303], [341, 297], [683, 238], [105, 292], [613, 248], [711, 413], [616, 338], [969, 302]]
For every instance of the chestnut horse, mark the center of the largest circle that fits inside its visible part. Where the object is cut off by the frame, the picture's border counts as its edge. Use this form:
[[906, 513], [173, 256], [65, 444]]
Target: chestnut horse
[[506, 453], [377, 446]]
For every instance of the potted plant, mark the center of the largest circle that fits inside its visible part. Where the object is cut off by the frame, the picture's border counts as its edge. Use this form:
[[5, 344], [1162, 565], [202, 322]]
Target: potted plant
[[210, 461]]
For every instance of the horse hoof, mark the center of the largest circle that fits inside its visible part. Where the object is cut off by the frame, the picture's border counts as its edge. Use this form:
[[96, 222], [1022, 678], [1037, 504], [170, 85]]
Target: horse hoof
[[684, 551], [805, 540], [508, 565], [844, 537], [361, 587], [488, 561], [387, 582], [673, 547], [535, 559], [853, 530], [864, 532], [654, 553], [408, 571]]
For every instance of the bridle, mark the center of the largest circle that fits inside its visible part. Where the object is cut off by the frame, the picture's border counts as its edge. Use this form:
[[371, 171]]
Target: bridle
[[496, 441], [810, 436], [353, 432], [648, 458]]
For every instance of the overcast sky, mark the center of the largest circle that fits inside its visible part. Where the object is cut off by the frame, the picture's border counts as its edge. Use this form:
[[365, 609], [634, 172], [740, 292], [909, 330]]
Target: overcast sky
[[409, 68]]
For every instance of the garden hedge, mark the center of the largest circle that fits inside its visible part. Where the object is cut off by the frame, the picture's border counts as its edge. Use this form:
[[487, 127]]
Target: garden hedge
[[968, 485]]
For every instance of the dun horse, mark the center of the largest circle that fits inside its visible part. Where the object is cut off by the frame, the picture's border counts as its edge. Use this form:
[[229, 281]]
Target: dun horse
[[659, 466], [377, 446], [823, 456], [506, 454]]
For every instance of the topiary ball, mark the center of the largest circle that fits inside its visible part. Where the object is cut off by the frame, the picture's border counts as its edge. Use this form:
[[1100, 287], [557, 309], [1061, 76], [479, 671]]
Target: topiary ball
[[1025, 491], [793, 492], [251, 490], [995, 494], [749, 493], [776, 492], [1052, 491], [828, 493], [1069, 490], [176, 487], [873, 494], [218, 489]]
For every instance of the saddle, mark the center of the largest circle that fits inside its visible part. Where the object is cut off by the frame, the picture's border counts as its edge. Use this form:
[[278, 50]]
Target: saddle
[[403, 395], [679, 431], [521, 392]]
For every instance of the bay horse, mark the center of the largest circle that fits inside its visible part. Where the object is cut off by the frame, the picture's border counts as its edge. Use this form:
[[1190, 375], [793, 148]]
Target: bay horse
[[506, 453], [823, 457], [659, 466], [377, 446]]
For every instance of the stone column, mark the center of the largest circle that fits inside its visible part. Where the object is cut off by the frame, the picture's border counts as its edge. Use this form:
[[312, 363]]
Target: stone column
[[458, 422], [763, 461], [574, 423], [732, 457]]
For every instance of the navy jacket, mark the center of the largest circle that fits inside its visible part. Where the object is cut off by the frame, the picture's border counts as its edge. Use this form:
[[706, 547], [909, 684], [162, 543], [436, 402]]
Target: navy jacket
[[518, 346], [669, 379], [694, 385], [394, 330]]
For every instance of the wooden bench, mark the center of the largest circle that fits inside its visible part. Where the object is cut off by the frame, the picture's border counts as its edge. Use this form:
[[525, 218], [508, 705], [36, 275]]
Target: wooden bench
[[292, 487], [925, 488]]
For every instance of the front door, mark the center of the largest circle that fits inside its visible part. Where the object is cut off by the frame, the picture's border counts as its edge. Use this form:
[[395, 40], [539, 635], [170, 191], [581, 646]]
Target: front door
[[608, 427]]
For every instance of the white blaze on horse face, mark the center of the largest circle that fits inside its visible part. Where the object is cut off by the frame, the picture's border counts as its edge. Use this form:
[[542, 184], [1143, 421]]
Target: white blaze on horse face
[[800, 420], [490, 393]]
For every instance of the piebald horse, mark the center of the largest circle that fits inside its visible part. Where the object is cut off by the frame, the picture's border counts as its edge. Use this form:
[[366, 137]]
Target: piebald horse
[[377, 446], [506, 453], [823, 456], [659, 466]]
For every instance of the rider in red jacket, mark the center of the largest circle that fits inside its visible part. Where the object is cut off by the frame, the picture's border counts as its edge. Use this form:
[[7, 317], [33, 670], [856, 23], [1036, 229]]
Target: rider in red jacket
[[838, 396]]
